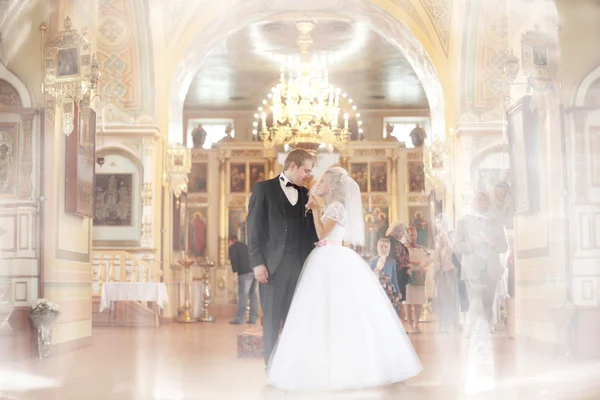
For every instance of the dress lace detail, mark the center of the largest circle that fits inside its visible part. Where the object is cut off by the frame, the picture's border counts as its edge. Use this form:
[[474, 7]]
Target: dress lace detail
[[335, 211]]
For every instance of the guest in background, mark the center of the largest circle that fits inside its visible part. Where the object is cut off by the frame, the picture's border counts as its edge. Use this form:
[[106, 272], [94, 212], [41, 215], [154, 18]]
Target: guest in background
[[384, 268], [243, 276], [463, 296], [480, 240], [416, 296], [399, 252], [446, 278]]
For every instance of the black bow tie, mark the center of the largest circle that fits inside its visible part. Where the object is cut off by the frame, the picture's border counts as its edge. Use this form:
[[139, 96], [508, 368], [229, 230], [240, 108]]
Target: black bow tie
[[290, 184]]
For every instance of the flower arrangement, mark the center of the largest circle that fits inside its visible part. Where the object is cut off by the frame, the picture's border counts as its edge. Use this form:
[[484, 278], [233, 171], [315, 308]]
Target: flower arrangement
[[44, 307], [43, 315]]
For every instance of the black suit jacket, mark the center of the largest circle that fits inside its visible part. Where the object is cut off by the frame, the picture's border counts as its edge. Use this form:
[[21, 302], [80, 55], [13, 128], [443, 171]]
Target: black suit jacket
[[267, 224], [238, 255]]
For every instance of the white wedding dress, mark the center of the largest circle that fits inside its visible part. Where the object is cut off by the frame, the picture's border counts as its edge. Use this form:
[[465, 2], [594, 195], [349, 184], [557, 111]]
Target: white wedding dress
[[341, 332]]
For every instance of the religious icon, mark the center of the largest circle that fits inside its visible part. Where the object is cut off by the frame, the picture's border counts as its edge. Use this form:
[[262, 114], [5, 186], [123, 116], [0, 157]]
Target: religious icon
[[114, 200], [80, 164], [379, 177], [257, 174], [376, 224], [198, 176], [419, 220], [237, 179], [197, 232], [540, 56], [360, 174], [8, 134], [416, 176], [237, 224], [68, 63]]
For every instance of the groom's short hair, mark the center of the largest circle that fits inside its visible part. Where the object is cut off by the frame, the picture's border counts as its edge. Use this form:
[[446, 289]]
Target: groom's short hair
[[297, 156]]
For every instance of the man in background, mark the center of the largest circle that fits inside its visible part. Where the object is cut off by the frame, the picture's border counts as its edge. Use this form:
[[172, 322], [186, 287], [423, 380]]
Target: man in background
[[243, 276], [479, 241]]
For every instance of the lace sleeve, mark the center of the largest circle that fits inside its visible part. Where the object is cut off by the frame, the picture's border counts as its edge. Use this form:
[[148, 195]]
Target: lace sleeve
[[336, 212]]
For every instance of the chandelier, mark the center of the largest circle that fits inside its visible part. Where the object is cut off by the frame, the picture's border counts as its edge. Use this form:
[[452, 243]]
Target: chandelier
[[303, 110]]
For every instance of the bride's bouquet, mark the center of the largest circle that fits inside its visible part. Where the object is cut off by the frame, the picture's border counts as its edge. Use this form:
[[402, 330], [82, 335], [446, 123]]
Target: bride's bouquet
[[43, 315]]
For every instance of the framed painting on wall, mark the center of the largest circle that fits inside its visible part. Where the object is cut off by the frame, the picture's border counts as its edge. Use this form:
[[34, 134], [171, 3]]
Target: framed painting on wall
[[9, 139], [198, 178], [360, 173], [523, 143], [114, 200], [257, 174], [197, 230], [237, 178], [79, 163], [379, 177]]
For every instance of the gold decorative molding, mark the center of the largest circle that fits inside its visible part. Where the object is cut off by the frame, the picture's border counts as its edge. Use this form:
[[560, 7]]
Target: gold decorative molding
[[199, 156], [415, 155], [194, 198], [247, 153], [379, 200], [147, 194], [369, 152], [418, 199], [238, 202]]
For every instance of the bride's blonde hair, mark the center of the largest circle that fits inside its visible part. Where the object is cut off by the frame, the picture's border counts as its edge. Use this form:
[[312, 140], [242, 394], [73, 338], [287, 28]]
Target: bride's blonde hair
[[346, 191], [337, 176]]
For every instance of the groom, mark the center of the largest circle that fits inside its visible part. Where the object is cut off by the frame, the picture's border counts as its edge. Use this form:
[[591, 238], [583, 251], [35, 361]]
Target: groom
[[280, 237]]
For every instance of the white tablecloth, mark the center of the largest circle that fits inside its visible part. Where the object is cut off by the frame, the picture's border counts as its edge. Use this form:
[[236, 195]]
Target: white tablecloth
[[134, 291]]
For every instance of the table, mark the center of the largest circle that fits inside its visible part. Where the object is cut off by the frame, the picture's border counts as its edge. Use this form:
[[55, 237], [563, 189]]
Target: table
[[155, 292]]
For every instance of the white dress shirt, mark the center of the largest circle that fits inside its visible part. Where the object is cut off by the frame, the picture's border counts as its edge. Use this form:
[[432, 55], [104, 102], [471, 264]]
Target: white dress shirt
[[290, 192]]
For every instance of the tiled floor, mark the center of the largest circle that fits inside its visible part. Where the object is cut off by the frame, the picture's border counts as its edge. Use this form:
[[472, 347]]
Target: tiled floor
[[199, 362]]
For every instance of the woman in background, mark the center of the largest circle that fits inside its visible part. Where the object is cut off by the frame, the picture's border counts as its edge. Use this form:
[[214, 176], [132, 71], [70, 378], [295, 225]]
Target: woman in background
[[399, 253], [384, 268], [416, 297]]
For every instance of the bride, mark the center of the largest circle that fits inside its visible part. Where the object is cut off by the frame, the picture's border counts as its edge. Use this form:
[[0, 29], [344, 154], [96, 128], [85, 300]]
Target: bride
[[341, 331]]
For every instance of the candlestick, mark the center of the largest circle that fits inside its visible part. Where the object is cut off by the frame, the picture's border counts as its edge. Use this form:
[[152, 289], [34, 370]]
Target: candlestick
[[346, 121], [186, 316]]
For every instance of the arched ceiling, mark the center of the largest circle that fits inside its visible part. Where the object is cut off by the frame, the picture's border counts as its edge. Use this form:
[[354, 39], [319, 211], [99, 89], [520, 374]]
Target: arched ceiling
[[238, 72]]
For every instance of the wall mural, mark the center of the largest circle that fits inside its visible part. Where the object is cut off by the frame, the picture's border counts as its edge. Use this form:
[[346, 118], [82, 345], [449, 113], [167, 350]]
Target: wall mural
[[8, 158], [125, 60], [114, 200]]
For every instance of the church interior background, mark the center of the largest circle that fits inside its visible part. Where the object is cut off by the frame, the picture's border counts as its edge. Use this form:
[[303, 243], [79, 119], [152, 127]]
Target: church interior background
[[132, 132]]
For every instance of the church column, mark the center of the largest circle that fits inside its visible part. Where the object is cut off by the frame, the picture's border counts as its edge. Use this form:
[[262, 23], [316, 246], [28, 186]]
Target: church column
[[223, 209]]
